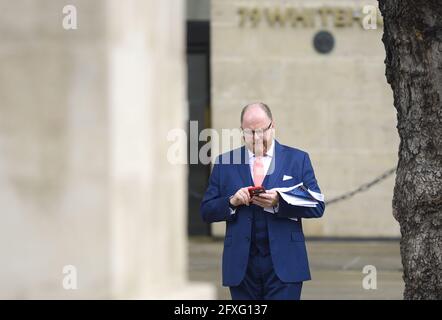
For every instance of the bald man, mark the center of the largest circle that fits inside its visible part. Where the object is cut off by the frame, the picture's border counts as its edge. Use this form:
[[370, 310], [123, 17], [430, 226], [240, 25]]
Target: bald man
[[264, 248]]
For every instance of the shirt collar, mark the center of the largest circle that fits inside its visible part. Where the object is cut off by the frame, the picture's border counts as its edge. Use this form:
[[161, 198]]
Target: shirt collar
[[269, 152]]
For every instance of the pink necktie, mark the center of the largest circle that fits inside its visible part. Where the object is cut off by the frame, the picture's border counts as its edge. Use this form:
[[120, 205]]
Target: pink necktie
[[258, 171]]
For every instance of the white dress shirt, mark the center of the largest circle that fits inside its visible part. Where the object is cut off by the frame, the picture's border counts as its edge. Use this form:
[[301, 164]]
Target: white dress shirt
[[266, 159]]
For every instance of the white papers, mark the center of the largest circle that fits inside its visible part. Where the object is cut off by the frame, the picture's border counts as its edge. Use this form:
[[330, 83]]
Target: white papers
[[318, 196], [309, 198]]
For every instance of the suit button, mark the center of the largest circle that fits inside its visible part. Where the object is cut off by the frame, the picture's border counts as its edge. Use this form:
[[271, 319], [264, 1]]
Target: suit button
[[248, 239]]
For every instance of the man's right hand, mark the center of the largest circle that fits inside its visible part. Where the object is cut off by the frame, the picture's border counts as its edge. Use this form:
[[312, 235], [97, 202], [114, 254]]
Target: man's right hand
[[241, 197]]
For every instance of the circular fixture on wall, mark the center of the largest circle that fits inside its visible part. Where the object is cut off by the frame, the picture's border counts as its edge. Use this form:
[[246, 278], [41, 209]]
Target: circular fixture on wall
[[323, 42]]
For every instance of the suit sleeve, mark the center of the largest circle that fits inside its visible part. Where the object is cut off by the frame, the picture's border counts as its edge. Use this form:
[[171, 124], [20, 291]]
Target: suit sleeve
[[215, 206], [287, 210]]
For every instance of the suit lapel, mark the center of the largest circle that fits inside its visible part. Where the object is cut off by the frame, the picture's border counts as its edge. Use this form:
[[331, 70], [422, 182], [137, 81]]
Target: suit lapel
[[275, 168]]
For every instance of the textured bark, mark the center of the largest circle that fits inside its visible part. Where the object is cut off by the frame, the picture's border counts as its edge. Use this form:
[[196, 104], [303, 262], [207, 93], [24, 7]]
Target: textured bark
[[413, 44]]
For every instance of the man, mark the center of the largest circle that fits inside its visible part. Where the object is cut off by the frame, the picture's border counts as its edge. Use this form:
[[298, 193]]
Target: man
[[264, 250]]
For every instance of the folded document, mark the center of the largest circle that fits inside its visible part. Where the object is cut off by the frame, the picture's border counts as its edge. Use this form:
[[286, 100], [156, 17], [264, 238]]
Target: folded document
[[299, 195]]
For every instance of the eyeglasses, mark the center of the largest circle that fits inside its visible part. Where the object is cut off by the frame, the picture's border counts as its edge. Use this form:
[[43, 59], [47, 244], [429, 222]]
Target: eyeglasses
[[258, 132]]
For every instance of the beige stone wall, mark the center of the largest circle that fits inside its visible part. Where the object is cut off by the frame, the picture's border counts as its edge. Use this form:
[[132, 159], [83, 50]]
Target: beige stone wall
[[84, 178], [337, 106]]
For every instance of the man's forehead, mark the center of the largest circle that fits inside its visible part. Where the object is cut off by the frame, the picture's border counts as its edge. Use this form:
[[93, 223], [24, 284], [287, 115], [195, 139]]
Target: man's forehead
[[255, 114]]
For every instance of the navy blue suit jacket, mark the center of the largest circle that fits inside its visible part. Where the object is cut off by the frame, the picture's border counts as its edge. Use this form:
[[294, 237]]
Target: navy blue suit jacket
[[287, 245]]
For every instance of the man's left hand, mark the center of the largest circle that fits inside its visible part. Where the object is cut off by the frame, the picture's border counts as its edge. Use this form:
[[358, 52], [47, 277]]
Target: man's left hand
[[268, 199]]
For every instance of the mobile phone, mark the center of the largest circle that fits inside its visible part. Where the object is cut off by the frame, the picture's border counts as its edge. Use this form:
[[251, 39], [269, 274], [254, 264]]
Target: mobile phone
[[254, 191]]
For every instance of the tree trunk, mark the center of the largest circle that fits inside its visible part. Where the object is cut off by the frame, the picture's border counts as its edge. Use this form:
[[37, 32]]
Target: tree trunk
[[413, 44]]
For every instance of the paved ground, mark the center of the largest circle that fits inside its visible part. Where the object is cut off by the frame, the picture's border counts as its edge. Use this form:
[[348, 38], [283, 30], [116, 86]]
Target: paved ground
[[336, 268]]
